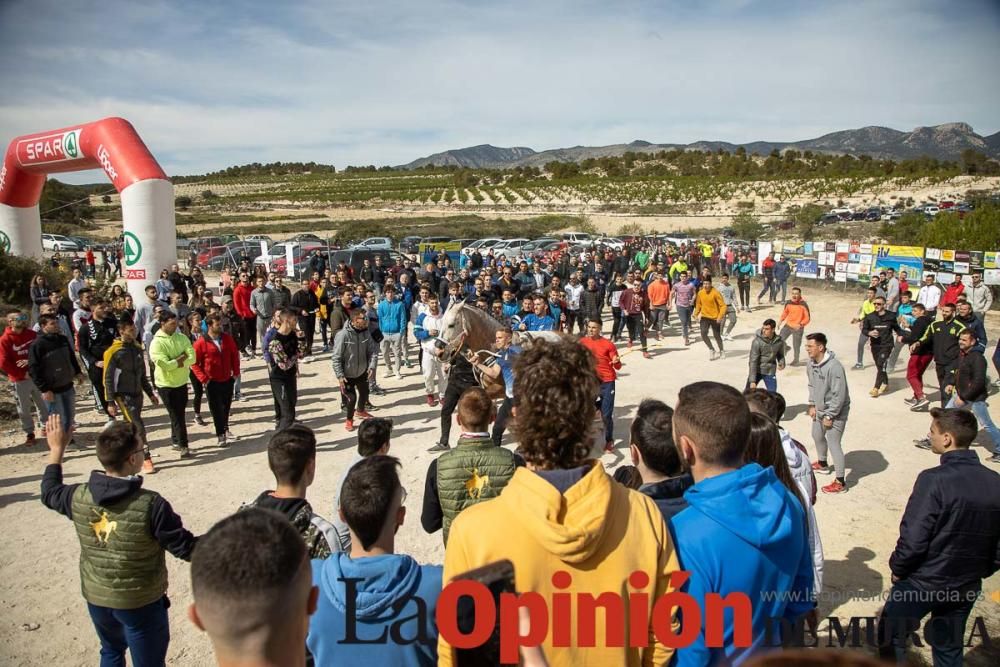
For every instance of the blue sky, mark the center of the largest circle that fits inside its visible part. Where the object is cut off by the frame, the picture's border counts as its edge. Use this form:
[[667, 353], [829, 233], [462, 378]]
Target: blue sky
[[214, 83]]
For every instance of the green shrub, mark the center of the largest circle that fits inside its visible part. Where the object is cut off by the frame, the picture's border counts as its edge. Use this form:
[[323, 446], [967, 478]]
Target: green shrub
[[15, 279]]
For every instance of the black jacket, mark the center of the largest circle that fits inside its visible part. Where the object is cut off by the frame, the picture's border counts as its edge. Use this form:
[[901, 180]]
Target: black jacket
[[52, 363], [164, 524], [949, 538], [94, 338], [305, 302], [669, 494], [941, 338], [970, 377], [884, 324], [917, 330]]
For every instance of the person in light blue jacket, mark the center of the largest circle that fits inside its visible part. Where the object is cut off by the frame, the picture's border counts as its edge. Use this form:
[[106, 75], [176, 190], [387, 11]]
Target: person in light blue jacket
[[743, 533], [392, 322], [372, 596]]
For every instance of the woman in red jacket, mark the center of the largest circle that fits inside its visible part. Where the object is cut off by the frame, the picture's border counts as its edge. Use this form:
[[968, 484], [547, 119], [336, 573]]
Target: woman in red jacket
[[241, 302], [217, 366]]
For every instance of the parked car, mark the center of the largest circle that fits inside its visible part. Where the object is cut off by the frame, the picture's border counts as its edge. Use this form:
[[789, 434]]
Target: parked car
[[355, 258], [250, 250], [435, 239], [306, 238], [873, 214], [931, 210], [375, 243], [537, 244], [784, 225], [278, 250], [481, 244], [829, 219], [578, 237], [301, 253], [82, 242], [610, 242], [235, 247], [841, 210], [858, 215], [58, 242], [409, 244], [257, 238], [509, 247]]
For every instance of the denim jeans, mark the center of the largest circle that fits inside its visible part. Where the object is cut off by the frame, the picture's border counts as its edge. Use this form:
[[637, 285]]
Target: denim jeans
[[982, 413], [684, 313], [145, 632], [606, 402], [907, 604], [770, 382], [64, 404]]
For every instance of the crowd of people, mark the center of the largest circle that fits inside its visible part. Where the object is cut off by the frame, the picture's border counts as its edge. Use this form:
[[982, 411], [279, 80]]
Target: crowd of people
[[712, 477]]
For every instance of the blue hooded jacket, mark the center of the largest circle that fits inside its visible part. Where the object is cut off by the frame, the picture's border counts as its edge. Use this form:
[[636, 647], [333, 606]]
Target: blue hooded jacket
[[744, 532], [384, 597]]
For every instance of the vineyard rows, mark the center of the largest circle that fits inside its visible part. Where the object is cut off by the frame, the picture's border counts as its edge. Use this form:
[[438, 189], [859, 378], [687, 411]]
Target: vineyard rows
[[439, 189]]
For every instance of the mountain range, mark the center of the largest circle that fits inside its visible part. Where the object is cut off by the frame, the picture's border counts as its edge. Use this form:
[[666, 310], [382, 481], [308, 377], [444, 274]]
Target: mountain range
[[944, 142]]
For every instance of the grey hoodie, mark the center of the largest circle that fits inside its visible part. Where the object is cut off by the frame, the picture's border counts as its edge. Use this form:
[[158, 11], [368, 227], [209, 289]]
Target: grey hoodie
[[354, 352], [828, 388], [765, 355]]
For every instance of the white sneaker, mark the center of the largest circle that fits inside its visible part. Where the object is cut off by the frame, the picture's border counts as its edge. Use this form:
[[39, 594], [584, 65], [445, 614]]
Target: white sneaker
[[722, 354], [711, 355]]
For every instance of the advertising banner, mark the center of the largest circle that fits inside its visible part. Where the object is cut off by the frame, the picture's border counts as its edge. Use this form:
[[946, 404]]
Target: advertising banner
[[900, 258]]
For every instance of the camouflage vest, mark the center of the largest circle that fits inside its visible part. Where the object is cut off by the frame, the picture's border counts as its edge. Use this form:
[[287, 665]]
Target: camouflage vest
[[476, 470], [122, 566]]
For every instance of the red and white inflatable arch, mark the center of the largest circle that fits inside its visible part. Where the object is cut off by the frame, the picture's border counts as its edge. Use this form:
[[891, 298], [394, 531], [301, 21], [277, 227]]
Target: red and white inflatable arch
[[110, 144]]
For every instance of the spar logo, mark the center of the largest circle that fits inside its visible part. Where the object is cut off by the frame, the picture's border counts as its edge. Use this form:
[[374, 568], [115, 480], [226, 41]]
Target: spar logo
[[50, 148], [4, 243], [105, 159], [133, 248]]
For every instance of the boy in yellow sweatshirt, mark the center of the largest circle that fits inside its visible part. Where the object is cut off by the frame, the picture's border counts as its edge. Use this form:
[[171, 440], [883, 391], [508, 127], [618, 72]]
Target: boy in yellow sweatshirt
[[711, 308]]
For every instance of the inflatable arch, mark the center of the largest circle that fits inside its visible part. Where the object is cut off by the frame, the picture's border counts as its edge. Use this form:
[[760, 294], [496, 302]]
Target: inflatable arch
[[110, 144]]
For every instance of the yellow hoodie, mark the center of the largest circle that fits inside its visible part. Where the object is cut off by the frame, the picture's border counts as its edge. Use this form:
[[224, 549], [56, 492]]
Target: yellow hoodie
[[599, 532]]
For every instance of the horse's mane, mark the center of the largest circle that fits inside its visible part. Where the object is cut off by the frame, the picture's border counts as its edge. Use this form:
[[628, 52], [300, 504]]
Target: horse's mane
[[481, 315]]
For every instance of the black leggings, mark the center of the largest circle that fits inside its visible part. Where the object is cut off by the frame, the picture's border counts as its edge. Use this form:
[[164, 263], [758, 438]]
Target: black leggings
[[881, 356], [250, 327], [617, 323], [744, 286], [636, 330], [220, 402], [356, 393], [716, 328], [199, 391], [452, 393], [286, 394]]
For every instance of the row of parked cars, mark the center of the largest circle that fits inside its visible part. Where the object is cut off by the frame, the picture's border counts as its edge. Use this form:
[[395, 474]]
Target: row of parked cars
[[876, 213], [65, 243]]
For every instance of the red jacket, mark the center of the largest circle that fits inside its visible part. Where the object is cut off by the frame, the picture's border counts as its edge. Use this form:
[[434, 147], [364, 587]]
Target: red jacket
[[241, 300], [952, 292], [14, 348], [211, 363]]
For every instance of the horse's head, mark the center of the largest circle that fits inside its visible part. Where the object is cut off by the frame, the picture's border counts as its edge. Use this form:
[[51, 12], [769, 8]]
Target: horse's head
[[453, 330]]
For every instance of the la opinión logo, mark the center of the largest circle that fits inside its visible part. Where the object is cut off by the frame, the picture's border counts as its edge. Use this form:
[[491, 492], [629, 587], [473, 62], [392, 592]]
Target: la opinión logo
[[564, 613]]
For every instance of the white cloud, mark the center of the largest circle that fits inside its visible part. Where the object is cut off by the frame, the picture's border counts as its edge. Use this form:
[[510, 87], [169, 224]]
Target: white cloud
[[211, 84]]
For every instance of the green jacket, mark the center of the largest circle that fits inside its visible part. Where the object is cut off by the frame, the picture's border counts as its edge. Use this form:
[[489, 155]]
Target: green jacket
[[474, 471], [122, 566], [164, 351]]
